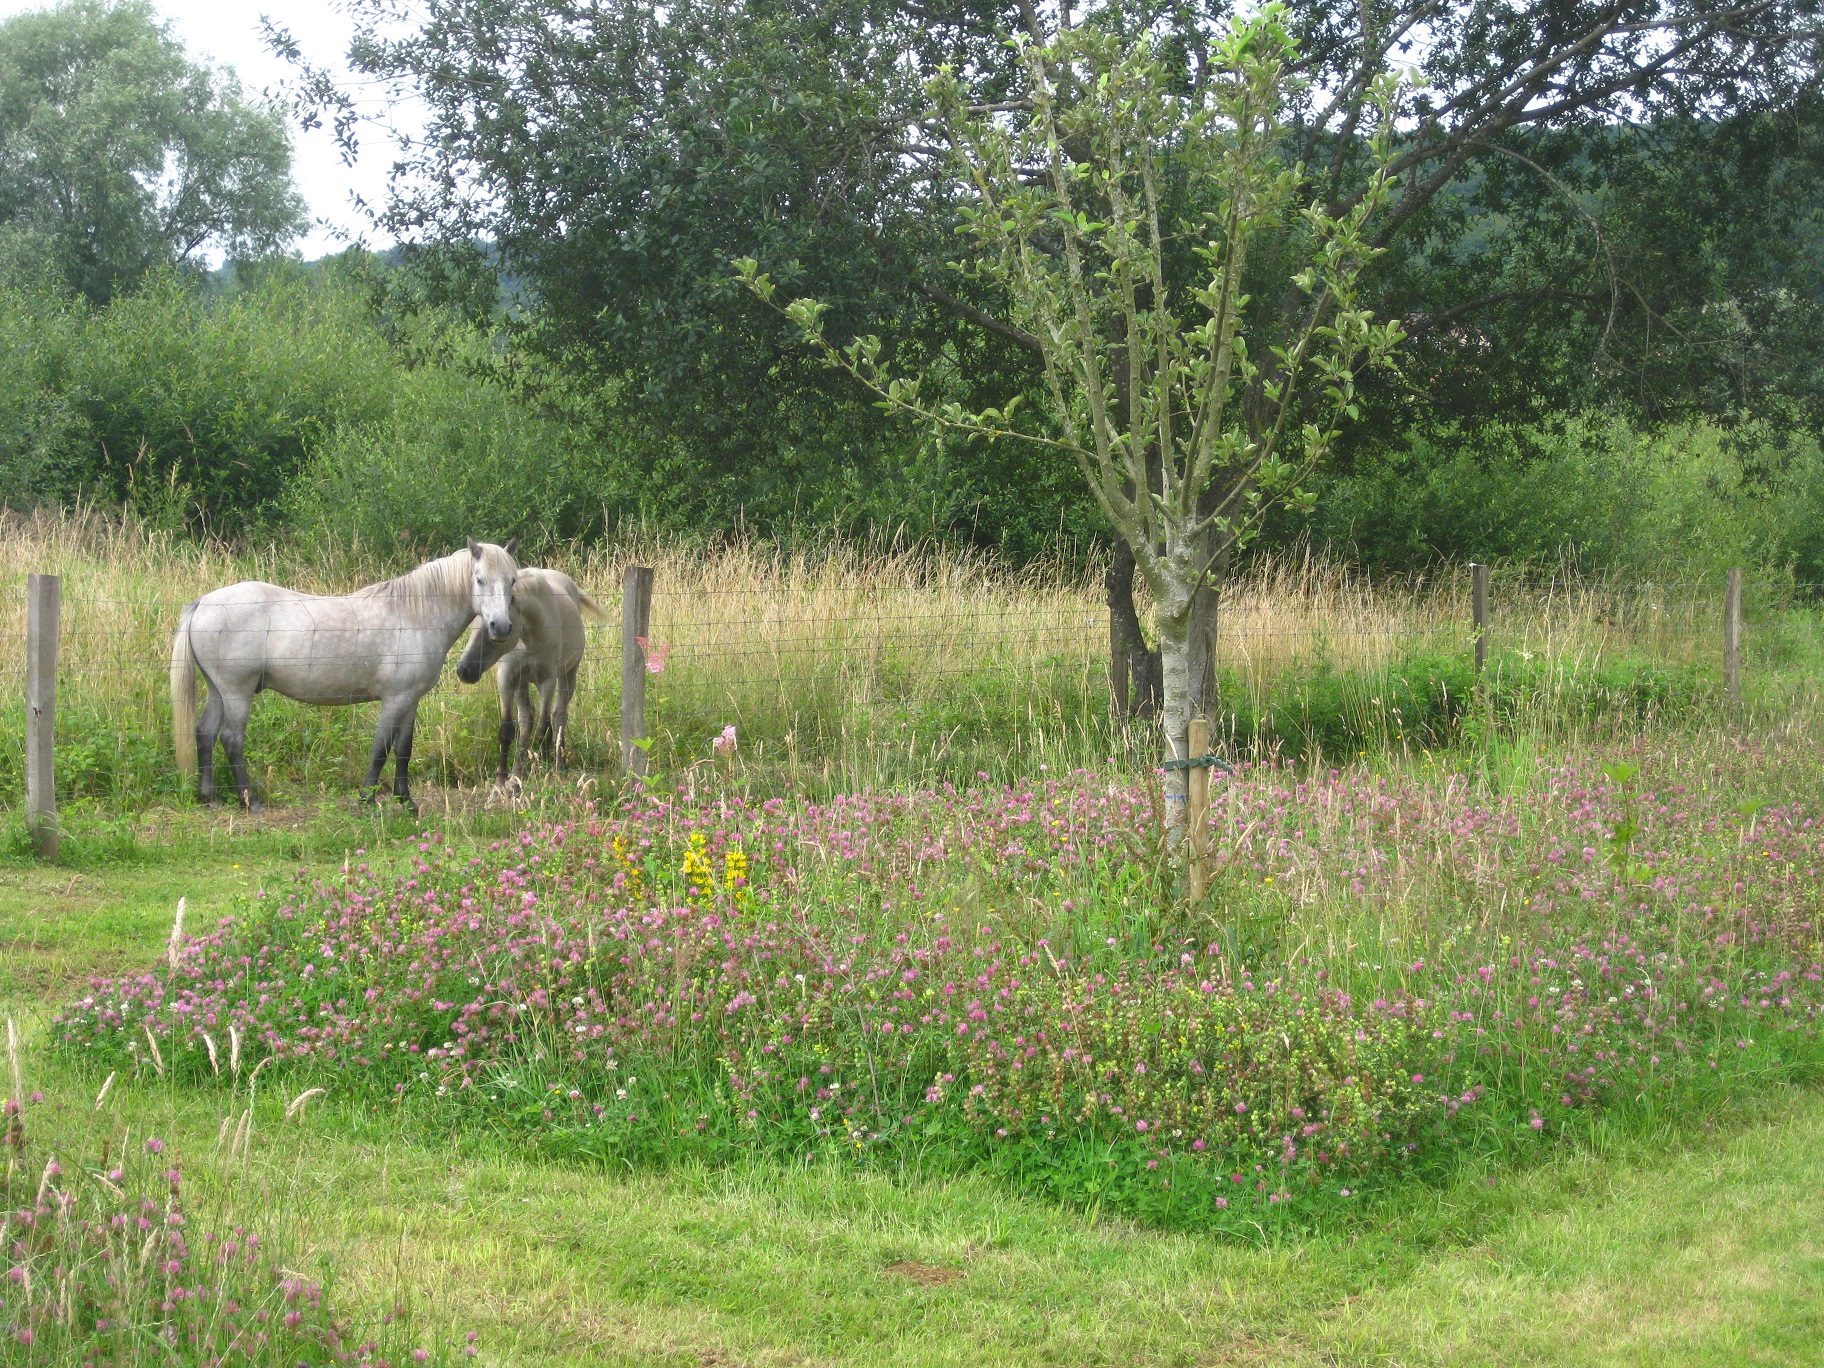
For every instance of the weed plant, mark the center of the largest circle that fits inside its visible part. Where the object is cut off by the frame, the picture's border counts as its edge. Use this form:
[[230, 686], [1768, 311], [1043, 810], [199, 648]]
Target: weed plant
[[1394, 970], [113, 1255]]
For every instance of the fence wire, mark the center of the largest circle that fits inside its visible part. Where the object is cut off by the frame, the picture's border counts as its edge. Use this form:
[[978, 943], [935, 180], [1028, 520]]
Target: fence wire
[[820, 674]]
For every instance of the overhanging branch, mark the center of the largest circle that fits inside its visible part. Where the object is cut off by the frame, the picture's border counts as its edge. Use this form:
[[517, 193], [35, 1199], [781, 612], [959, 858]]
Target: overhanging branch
[[981, 319]]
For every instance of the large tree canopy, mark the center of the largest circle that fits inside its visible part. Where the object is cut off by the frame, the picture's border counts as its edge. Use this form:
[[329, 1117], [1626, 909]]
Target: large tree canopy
[[119, 155], [620, 155], [620, 152], [1672, 267]]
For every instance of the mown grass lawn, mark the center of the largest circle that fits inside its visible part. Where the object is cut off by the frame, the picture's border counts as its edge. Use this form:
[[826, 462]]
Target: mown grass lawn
[[1695, 1247]]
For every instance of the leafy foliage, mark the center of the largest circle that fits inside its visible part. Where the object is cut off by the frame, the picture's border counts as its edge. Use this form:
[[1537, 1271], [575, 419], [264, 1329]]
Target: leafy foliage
[[187, 406], [1662, 271], [283, 400], [119, 155], [620, 154], [1186, 422], [1594, 492]]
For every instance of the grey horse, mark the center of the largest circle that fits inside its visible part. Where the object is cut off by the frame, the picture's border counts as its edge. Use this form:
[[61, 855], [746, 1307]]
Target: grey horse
[[544, 649], [386, 642]]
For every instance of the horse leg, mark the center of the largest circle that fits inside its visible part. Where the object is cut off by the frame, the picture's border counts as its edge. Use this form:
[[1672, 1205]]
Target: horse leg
[[547, 700], [376, 760], [208, 727], [402, 759], [566, 686], [522, 708], [234, 740], [508, 732]]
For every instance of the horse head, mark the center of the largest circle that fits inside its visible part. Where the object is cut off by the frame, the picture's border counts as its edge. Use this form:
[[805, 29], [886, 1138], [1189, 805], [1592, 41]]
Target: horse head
[[491, 590], [483, 652]]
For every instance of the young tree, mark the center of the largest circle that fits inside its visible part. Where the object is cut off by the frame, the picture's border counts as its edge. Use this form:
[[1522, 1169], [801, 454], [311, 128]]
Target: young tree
[[119, 155], [1080, 192]]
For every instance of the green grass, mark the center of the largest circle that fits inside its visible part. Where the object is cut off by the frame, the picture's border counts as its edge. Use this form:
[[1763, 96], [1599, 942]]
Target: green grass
[[866, 666], [1694, 1245]]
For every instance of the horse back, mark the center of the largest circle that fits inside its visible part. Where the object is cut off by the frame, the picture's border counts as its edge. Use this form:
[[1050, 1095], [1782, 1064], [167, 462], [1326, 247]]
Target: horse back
[[312, 647]]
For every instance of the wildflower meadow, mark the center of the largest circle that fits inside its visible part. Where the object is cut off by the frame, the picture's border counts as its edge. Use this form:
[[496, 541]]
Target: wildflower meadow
[[1394, 969]]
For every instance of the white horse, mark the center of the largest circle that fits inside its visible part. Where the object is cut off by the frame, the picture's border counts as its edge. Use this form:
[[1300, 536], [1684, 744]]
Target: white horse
[[386, 642], [545, 649]]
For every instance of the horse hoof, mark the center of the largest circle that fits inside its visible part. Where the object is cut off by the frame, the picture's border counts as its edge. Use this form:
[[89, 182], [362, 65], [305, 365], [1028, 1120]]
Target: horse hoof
[[252, 804]]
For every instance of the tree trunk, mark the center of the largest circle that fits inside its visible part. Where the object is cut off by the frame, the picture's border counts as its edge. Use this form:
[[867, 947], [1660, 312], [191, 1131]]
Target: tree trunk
[[1142, 662], [1149, 683], [1175, 657], [1205, 612]]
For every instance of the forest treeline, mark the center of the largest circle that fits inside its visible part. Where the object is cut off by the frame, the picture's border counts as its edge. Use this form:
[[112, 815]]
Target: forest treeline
[[1615, 326]]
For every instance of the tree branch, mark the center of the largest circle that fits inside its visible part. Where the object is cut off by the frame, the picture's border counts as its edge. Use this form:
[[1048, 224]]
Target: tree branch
[[1000, 328]]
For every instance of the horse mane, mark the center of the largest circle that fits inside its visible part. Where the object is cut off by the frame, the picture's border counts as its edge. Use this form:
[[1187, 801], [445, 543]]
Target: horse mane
[[445, 577]]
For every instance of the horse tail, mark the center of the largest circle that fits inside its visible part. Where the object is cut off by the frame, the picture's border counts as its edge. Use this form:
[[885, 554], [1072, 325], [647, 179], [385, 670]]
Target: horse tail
[[591, 609], [183, 696]]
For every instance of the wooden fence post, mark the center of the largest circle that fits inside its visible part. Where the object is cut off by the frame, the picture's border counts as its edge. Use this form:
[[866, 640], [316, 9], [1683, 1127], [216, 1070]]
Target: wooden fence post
[[636, 626], [1478, 607], [1198, 818], [1732, 636], [44, 608]]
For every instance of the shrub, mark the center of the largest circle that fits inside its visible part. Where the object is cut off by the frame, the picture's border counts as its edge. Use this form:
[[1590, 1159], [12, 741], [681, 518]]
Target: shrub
[[44, 430], [209, 405], [1591, 488], [283, 397], [456, 454], [1423, 698]]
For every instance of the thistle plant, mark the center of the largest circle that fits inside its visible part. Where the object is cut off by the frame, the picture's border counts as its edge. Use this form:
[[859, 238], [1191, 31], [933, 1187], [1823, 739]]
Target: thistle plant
[[1118, 206]]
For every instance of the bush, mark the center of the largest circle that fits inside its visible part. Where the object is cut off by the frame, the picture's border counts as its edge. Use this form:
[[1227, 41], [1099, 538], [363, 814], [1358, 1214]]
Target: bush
[[1690, 500], [281, 397], [189, 407], [1423, 699], [45, 438], [456, 454], [210, 405]]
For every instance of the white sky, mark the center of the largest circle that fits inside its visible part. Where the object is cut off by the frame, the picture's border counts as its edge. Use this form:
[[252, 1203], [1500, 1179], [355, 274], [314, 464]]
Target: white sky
[[227, 33]]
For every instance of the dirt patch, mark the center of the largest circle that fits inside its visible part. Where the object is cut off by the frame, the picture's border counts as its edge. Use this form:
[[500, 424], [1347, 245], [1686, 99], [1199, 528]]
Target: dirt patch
[[925, 1275]]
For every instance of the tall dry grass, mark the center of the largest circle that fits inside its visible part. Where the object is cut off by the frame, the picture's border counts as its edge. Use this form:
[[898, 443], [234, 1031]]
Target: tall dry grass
[[1282, 610], [858, 665]]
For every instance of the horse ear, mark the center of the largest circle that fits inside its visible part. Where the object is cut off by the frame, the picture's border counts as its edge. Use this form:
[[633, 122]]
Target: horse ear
[[511, 546], [474, 548]]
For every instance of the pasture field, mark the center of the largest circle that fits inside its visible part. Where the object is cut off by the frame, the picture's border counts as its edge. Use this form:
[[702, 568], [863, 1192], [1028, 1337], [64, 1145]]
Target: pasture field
[[876, 1042], [1661, 1211], [866, 668]]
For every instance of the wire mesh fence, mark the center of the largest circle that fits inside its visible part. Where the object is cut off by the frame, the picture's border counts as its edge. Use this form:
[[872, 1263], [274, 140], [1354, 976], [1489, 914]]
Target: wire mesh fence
[[859, 672]]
